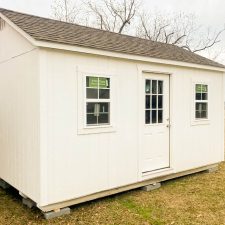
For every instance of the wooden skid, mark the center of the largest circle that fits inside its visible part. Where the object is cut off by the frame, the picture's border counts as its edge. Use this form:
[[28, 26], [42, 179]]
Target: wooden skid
[[65, 204]]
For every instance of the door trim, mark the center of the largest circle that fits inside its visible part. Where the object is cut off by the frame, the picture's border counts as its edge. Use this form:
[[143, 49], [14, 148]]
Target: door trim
[[140, 70]]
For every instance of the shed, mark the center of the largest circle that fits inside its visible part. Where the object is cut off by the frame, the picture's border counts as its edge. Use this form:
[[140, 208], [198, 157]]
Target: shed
[[86, 113]]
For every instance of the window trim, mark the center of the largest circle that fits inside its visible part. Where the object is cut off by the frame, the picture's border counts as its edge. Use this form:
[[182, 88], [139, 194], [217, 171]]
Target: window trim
[[202, 101], [86, 100], [200, 121], [83, 128]]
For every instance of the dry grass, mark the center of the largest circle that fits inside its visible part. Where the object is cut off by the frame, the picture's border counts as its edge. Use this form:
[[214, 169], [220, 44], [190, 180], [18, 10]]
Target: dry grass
[[191, 200]]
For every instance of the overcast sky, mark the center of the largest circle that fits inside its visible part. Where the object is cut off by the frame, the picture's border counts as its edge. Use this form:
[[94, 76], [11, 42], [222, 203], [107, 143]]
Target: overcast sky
[[210, 13]]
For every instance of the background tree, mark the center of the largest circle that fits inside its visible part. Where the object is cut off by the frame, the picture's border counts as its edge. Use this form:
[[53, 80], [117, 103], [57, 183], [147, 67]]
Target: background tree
[[177, 29], [65, 10], [113, 15], [127, 16]]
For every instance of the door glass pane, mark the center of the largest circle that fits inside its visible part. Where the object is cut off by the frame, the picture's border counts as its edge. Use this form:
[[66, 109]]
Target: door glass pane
[[160, 87], [160, 116], [154, 101], [147, 116], [154, 116], [160, 102], [154, 86], [147, 86], [147, 101]]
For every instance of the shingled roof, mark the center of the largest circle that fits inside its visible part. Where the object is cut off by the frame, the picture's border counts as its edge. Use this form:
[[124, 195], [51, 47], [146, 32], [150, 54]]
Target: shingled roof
[[43, 29]]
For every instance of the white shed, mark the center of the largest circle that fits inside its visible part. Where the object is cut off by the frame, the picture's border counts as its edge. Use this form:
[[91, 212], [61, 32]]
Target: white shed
[[86, 113]]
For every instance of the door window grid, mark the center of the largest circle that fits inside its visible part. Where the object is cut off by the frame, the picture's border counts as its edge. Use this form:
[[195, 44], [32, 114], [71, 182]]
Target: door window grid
[[97, 101], [201, 101], [153, 101]]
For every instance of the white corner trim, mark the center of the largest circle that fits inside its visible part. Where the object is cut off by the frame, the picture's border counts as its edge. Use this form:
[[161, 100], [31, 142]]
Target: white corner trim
[[19, 30]]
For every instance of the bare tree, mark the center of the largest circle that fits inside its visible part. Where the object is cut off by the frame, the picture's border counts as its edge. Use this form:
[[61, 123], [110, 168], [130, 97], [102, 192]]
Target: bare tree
[[123, 16], [65, 10], [177, 29], [112, 15]]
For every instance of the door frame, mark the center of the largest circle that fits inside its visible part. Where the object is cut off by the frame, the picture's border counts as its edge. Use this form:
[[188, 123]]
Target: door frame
[[163, 171]]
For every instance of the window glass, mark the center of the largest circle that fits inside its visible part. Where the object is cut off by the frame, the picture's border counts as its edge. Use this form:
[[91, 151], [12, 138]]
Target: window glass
[[160, 102], [148, 86], [104, 93], [147, 101], [160, 87], [153, 101], [201, 101], [154, 86], [97, 100]]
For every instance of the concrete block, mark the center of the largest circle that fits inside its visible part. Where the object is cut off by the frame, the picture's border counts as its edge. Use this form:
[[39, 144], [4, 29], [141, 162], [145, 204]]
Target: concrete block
[[28, 202], [151, 187], [3, 184], [212, 169], [54, 214]]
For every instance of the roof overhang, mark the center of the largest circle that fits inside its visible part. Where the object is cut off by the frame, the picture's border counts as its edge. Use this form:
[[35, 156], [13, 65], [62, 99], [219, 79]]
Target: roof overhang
[[19, 30], [93, 51]]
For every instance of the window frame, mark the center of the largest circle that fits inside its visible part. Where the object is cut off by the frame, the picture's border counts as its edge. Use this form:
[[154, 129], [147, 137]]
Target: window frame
[[86, 100], [200, 121], [157, 96]]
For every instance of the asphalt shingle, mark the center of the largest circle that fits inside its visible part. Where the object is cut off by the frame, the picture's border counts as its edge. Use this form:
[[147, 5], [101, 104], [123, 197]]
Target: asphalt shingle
[[49, 30]]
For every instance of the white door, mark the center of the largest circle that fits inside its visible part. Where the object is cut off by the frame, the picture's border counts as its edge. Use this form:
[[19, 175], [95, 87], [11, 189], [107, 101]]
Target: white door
[[156, 128]]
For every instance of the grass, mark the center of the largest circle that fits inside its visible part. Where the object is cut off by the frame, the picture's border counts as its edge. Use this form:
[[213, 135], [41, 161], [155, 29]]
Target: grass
[[192, 200]]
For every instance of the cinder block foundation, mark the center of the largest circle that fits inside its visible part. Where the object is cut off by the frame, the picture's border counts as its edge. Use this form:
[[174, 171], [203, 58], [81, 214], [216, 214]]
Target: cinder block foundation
[[212, 169], [151, 187], [56, 213], [29, 203]]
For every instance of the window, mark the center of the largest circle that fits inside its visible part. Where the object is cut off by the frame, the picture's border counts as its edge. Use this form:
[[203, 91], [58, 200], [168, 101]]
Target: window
[[201, 101], [153, 101], [97, 101]]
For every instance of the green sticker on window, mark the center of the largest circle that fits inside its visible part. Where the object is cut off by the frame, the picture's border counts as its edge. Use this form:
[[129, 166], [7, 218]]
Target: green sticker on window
[[201, 88], [103, 82], [93, 82], [204, 88]]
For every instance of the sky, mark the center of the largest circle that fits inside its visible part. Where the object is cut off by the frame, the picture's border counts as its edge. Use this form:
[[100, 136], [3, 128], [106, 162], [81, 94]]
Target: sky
[[210, 13]]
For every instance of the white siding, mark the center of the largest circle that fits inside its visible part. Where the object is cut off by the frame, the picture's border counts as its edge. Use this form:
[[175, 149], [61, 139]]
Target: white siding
[[19, 113], [75, 165]]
